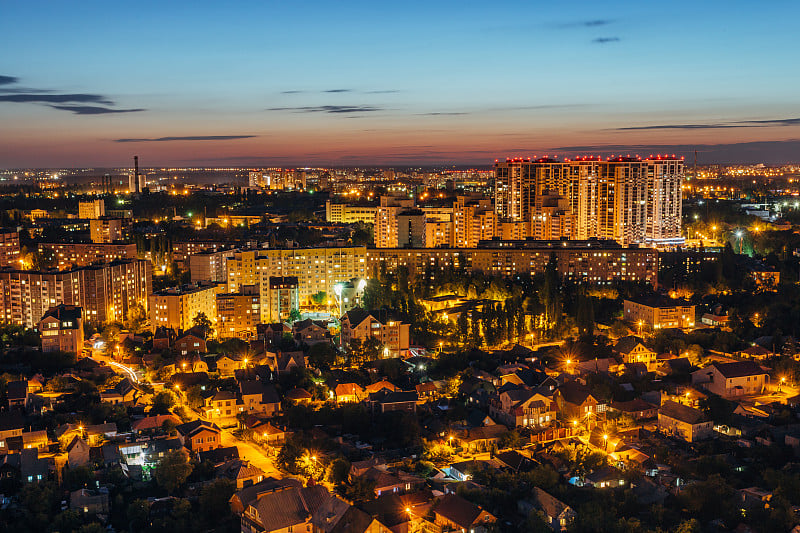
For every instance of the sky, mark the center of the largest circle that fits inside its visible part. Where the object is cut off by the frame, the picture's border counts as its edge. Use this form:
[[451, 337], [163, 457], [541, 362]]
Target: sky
[[338, 83]]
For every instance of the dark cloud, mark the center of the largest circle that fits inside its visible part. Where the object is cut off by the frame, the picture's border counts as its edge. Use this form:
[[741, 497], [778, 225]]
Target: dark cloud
[[93, 110], [63, 102], [720, 125], [334, 109], [39, 98], [188, 138], [443, 114], [596, 22], [592, 23], [339, 91], [606, 40]]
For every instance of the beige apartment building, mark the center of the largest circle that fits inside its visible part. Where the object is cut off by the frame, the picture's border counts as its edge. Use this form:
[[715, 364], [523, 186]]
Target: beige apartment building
[[658, 313], [177, 307], [316, 269]]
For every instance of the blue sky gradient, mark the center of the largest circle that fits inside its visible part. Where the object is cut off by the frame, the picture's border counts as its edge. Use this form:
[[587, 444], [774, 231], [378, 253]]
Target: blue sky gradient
[[341, 83]]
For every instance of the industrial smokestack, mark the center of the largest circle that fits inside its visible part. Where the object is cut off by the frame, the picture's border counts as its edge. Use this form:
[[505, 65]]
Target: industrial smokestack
[[136, 172]]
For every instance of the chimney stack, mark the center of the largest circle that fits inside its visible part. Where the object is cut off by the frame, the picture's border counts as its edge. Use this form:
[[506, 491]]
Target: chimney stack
[[136, 173]]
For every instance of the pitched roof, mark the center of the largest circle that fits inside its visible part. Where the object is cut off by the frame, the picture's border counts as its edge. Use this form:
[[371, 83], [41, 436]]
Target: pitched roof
[[681, 412], [153, 422], [739, 369], [249, 494], [458, 510], [400, 397], [257, 386], [637, 404], [574, 392], [16, 390], [190, 428], [552, 507], [289, 506], [219, 455], [627, 344], [297, 394]]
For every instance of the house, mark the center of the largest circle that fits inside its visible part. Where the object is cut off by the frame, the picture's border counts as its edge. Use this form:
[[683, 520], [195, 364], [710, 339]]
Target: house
[[267, 433], [731, 380], [454, 512], [606, 477], [427, 390], [11, 425], [298, 395], [61, 328], [153, 424], [283, 509], [123, 393], [163, 338], [575, 401], [272, 334], [220, 406], [286, 362], [372, 388], [227, 364], [199, 435], [191, 343], [35, 439], [78, 452], [89, 501], [684, 422], [633, 350], [349, 393], [242, 472], [361, 324], [397, 401], [258, 397], [353, 520], [755, 352], [311, 332], [557, 514], [17, 394], [482, 439], [522, 408], [387, 482], [638, 409]]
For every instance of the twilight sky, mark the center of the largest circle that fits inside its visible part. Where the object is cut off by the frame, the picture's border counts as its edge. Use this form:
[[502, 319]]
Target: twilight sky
[[342, 83]]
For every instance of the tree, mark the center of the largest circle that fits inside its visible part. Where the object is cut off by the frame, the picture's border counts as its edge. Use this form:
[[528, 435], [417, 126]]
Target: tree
[[162, 402], [322, 355], [214, 499], [338, 471], [319, 298], [295, 316], [204, 323], [173, 469]]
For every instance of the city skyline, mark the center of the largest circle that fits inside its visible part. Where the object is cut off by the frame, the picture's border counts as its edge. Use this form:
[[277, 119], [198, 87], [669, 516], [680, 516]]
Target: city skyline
[[354, 84]]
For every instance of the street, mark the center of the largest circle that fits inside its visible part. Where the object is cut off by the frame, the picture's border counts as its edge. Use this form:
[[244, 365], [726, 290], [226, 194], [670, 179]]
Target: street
[[247, 451]]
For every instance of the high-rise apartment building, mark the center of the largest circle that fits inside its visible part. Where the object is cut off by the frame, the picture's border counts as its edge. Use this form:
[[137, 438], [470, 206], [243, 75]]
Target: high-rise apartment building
[[177, 307], [317, 270], [349, 214], [238, 313], [474, 220], [210, 265], [107, 292], [591, 261], [282, 298], [627, 199], [92, 209], [106, 229], [10, 252], [70, 255]]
